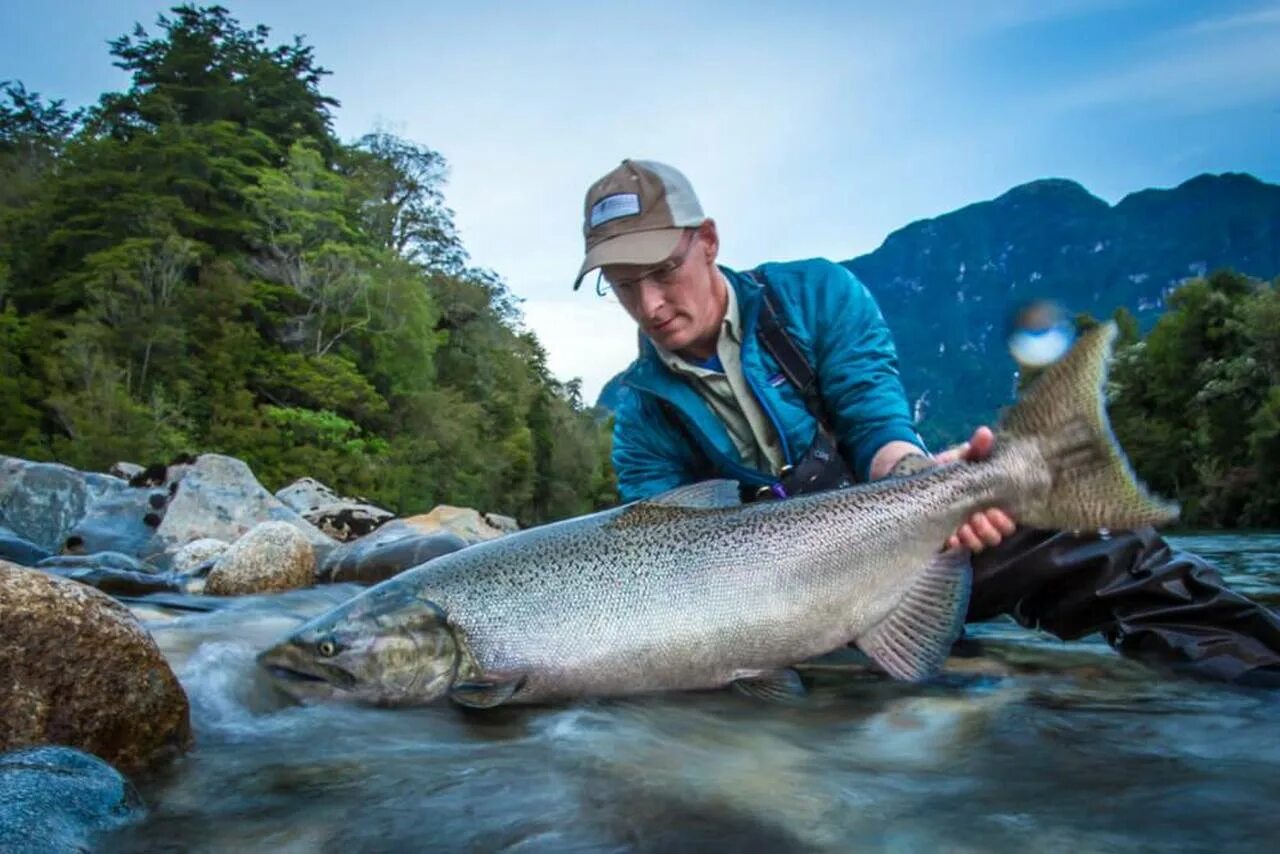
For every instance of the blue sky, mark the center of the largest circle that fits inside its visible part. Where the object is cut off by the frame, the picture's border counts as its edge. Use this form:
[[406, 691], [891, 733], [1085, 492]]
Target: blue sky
[[808, 129]]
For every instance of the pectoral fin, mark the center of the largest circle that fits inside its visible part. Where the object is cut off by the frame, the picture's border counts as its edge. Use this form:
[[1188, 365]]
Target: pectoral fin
[[913, 641], [775, 685], [484, 694]]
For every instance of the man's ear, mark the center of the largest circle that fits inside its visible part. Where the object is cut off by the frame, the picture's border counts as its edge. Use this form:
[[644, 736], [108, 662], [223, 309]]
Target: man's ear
[[710, 239]]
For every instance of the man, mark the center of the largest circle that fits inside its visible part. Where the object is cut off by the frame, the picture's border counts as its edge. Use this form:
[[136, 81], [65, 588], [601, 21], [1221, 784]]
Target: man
[[785, 379]]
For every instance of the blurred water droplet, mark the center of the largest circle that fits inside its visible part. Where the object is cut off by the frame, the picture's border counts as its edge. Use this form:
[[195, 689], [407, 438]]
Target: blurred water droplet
[[1040, 333]]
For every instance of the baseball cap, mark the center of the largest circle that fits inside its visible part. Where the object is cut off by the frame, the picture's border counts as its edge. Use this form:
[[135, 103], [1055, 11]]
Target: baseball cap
[[636, 215]]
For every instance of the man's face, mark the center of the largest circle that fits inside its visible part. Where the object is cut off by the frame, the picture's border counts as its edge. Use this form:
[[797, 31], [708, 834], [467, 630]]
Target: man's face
[[675, 302]]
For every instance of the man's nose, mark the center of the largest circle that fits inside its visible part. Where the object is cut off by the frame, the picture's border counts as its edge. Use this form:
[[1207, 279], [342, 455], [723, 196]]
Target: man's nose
[[651, 298]]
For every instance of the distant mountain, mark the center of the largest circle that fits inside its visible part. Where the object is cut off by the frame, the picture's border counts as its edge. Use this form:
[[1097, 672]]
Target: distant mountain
[[948, 285]]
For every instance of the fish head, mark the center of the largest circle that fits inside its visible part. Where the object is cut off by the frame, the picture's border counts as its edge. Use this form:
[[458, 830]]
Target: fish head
[[385, 647]]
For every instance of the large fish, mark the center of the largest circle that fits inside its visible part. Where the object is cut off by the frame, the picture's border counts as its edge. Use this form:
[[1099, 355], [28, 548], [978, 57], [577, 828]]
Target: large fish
[[693, 589]]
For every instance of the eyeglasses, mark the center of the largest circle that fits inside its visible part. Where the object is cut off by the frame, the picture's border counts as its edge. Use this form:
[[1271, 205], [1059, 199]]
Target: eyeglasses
[[659, 272]]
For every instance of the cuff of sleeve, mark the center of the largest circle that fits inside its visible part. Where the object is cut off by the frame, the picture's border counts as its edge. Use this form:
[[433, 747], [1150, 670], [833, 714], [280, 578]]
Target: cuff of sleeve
[[873, 442]]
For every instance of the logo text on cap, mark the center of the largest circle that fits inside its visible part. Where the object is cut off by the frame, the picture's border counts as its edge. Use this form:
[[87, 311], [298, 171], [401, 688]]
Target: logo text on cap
[[614, 207]]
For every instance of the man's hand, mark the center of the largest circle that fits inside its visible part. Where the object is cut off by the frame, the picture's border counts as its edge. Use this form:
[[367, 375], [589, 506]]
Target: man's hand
[[986, 528]]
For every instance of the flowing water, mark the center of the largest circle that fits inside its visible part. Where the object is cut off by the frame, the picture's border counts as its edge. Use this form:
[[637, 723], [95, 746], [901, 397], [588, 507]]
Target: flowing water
[[1036, 744]]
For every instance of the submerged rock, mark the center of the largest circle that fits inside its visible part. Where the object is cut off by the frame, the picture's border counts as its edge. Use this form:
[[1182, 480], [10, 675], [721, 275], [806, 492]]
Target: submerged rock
[[58, 799], [78, 670], [273, 556], [17, 550], [117, 582], [369, 562], [99, 560]]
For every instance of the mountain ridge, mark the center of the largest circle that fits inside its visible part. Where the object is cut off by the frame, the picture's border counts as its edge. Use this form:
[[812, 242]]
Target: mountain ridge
[[948, 285]]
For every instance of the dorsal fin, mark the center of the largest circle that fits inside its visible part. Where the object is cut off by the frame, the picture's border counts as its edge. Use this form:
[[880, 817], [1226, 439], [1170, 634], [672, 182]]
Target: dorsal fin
[[706, 495]]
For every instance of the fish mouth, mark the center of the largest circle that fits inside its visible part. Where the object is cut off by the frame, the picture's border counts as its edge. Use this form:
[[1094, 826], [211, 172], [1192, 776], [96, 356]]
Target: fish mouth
[[293, 674], [288, 674]]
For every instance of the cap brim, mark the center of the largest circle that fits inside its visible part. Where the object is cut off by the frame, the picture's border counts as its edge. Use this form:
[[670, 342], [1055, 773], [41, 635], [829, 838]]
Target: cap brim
[[638, 247]]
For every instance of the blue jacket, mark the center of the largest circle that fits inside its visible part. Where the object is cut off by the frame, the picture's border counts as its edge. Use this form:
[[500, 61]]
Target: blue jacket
[[835, 322]]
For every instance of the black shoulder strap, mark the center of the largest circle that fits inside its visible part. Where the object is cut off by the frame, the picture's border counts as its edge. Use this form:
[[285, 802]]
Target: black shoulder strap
[[780, 345]]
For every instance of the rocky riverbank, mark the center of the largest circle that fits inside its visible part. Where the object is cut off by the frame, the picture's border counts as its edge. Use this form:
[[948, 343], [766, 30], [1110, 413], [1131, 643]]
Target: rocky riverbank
[[82, 673]]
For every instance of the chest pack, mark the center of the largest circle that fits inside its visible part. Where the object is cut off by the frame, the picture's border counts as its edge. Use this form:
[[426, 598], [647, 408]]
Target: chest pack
[[822, 466]]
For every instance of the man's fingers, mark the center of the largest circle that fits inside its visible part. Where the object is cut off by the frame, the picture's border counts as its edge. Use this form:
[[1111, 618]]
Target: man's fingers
[[969, 539], [952, 455], [984, 529], [981, 443], [1003, 521]]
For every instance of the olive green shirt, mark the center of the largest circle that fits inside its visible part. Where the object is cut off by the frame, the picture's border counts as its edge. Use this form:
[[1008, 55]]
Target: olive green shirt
[[729, 396]]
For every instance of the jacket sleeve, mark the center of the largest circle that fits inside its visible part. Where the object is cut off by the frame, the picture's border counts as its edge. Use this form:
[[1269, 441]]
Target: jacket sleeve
[[649, 455], [857, 368]]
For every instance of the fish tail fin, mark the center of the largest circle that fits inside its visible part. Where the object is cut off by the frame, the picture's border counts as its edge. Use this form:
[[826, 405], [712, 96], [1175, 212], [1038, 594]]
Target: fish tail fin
[[1063, 417]]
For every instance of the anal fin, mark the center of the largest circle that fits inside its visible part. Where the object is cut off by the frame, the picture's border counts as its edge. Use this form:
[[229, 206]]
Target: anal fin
[[914, 640], [775, 685]]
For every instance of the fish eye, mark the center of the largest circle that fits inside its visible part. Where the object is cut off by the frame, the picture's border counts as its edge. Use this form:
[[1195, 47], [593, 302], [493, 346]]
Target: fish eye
[[327, 648]]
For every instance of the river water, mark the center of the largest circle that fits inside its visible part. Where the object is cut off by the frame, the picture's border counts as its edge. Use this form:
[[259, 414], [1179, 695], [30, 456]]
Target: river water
[[1035, 744]]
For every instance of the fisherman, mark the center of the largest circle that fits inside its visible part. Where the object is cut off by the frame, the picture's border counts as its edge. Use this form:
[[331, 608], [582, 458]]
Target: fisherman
[[784, 378]]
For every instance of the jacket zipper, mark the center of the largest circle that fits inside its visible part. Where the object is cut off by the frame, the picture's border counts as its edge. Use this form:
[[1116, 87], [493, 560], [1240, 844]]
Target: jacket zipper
[[745, 474]]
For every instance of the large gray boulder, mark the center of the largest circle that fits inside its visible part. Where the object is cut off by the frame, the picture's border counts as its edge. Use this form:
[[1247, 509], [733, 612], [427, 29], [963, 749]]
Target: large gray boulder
[[60, 509], [274, 556], [77, 669], [59, 799], [218, 497]]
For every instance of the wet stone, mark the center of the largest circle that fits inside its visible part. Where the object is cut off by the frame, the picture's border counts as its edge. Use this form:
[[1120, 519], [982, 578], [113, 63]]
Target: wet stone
[[273, 556], [17, 550], [118, 582], [99, 560], [375, 562], [79, 670], [60, 799]]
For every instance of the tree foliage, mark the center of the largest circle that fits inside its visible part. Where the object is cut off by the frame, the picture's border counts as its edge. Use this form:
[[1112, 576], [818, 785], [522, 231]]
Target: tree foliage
[[1196, 404], [198, 264]]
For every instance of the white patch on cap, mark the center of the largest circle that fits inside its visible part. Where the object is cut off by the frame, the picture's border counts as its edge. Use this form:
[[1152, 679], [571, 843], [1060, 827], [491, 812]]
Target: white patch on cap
[[614, 207]]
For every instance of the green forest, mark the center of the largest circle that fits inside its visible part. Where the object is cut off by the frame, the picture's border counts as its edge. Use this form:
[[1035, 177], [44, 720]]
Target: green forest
[[1196, 403], [199, 264]]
